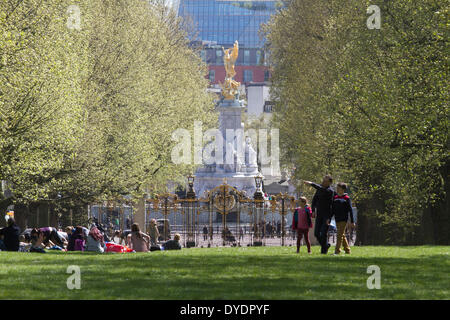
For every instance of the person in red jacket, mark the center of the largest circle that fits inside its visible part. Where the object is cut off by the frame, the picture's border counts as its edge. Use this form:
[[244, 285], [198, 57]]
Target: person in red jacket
[[301, 221]]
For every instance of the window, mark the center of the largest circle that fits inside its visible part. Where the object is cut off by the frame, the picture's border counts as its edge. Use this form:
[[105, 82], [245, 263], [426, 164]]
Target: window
[[219, 59], [268, 106], [212, 75], [266, 75], [246, 57], [248, 75], [203, 55], [258, 57]]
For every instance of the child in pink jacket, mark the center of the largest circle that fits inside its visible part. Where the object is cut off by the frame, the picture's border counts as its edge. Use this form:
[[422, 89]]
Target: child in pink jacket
[[301, 221]]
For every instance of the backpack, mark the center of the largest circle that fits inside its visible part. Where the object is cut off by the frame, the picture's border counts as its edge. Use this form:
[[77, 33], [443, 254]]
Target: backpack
[[79, 245], [308, 217]]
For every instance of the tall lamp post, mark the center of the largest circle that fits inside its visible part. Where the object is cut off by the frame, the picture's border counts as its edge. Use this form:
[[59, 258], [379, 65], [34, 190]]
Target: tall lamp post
[[191, 213], [258, 199], [191, 193]]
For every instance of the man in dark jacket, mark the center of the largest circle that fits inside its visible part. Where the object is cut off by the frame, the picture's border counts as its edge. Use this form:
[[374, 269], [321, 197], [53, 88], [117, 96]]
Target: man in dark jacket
[[321, 205], [11, 235]]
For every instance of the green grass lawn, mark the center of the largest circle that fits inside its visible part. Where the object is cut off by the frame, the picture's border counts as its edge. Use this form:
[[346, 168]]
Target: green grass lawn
[[229, 273]]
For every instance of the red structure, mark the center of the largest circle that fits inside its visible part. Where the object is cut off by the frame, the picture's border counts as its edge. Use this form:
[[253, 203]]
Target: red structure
[[259, 74]]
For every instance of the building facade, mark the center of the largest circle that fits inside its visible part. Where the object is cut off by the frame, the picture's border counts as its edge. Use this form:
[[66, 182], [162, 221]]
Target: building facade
[[219, 23]]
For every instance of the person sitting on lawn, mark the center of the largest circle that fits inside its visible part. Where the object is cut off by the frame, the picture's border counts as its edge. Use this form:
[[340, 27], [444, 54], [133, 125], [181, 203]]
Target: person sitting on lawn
[[153, 232], [95, 241], [173, 244], [139, 241], [11, 235], [117, 239], [24, 244], [37, 242], [124, 236], [76, 240], [69, 230]]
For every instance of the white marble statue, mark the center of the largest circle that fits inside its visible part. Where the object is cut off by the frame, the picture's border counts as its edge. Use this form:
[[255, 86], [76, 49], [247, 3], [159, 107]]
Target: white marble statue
[[250, 154]]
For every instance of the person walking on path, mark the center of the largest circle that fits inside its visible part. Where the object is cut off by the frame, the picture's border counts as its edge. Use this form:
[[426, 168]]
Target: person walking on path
[[321, 204], [342, 211], [205, 233], [153, 232], [302, 222], [139, 241]]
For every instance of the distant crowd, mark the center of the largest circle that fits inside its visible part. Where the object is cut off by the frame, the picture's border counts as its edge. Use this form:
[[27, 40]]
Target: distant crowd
[[80, 238], [326, 205]]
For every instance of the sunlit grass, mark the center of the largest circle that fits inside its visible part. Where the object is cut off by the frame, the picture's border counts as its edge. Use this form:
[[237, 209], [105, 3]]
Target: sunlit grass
[[229, 273]]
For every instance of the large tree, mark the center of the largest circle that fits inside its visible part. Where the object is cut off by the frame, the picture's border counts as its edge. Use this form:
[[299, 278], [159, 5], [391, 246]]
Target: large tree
[[369, 106], [87, 111]]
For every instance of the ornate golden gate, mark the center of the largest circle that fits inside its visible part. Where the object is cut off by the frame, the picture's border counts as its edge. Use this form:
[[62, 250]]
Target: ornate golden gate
[[185, 215]]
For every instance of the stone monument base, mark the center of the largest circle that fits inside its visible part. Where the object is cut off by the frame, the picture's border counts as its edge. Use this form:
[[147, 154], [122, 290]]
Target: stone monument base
[[240, 182]]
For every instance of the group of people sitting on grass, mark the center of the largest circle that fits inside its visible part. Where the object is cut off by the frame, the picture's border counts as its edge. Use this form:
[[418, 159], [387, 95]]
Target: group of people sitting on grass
[[80, 238], [326, 204]]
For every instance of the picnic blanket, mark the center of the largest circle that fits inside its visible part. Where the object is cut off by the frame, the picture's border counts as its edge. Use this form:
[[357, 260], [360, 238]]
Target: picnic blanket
[[113, 247]]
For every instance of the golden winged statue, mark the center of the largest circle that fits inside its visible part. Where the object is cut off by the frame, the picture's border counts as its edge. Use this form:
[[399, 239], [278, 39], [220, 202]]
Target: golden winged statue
[[230, 86]]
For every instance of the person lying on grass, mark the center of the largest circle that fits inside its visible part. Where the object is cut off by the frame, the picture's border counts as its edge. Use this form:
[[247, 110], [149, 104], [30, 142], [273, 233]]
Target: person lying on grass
[[51, 236], [173, 244]]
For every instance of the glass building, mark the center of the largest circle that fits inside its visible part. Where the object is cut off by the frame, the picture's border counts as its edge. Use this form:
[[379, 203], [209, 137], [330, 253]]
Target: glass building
[[224, 21], [221, 22]]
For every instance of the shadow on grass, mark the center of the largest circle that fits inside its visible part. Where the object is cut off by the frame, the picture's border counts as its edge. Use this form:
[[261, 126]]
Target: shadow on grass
[[223, 275]]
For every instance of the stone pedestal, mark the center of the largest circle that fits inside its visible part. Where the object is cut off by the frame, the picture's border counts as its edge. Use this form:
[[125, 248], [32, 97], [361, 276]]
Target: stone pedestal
[[240, 182], [241, 172]]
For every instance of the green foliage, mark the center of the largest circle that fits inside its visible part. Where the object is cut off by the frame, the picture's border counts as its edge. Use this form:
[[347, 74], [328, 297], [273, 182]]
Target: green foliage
[[88, 114], [368, 106]]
